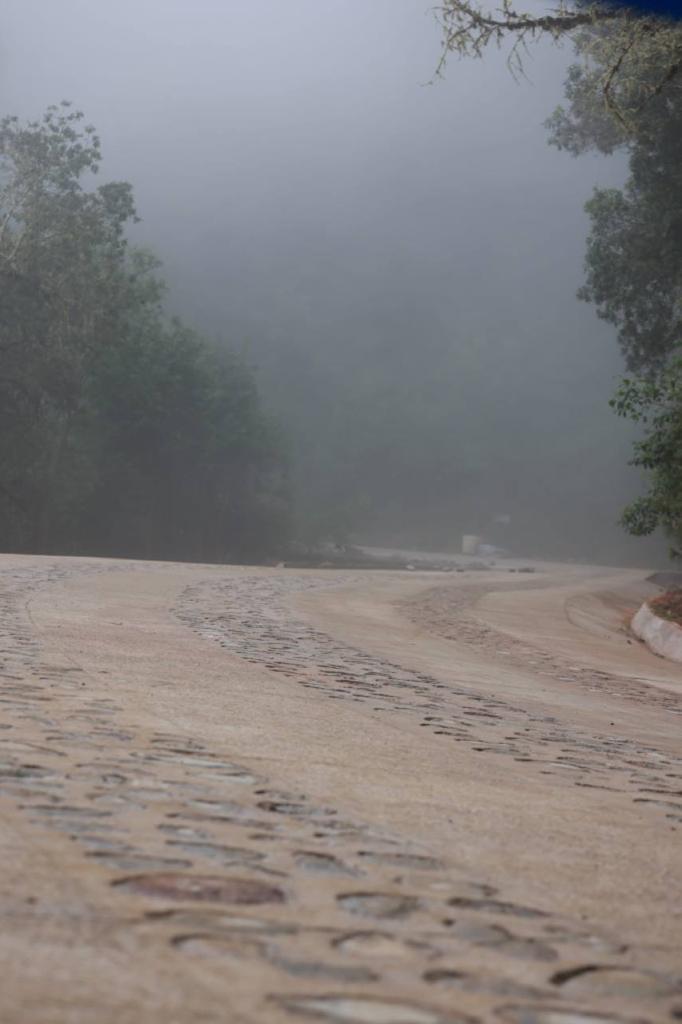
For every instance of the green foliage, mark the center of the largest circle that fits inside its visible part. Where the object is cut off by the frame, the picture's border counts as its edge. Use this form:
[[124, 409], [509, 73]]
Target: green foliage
[[120, 432], [628, 60], [634, 250], [623, 93], [657, 403], [634, 267]]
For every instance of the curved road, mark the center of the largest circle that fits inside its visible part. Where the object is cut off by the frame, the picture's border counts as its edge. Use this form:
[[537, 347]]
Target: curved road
[[254, 795]]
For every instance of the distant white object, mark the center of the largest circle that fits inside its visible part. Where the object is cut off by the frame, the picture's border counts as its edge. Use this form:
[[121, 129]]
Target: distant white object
[[660, 635], [470, 543], [487, 550]]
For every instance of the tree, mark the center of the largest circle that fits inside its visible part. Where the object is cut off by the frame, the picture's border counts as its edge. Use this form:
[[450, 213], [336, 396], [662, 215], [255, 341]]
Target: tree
[[657, 403], [634, 251], [633, 260], [624, 92], [61, 248], [191, 467], [634, 57], [120, 431]]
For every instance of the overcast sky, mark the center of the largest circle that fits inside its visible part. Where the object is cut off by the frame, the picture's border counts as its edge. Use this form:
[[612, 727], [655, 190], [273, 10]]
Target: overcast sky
[[257, 131]]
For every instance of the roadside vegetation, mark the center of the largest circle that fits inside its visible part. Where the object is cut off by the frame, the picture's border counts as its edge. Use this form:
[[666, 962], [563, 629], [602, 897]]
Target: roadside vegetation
[[122, 432], [623, 93]]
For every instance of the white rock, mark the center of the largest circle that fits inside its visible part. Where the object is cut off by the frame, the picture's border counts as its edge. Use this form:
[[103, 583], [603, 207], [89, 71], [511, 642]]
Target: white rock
[[660, 635]]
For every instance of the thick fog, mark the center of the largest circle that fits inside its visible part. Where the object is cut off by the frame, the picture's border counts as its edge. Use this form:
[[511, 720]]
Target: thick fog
[[399, 258]]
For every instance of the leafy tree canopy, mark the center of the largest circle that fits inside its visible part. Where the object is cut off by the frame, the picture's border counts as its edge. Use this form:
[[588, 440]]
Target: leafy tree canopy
[[657, 403], [121, 432], [623, 92], [634, 57]]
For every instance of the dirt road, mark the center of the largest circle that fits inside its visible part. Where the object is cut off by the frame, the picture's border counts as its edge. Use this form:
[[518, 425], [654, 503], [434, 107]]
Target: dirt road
[[252, 795]]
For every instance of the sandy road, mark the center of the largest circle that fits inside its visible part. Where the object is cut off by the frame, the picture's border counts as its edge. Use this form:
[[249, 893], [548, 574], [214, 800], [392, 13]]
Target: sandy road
[[263, 795]]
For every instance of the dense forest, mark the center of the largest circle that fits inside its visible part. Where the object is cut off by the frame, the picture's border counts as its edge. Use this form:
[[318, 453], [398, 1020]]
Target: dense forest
[[122, 432]]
